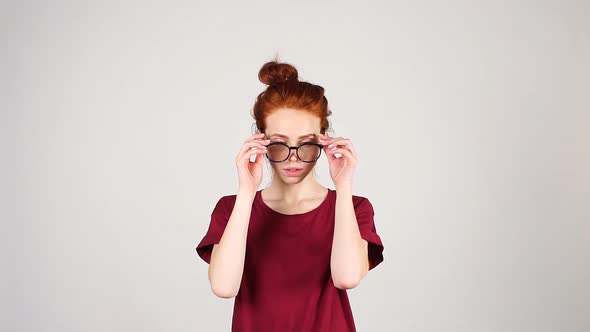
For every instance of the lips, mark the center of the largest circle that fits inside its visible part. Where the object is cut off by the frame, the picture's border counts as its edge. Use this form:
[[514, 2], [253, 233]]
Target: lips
[[293, 171]]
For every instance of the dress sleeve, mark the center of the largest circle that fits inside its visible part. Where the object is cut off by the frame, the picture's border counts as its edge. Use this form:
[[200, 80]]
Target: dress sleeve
[[364, 217], [219, 219]]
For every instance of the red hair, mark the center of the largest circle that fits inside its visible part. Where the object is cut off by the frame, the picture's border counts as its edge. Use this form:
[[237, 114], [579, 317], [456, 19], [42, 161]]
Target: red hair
[[286, 91]]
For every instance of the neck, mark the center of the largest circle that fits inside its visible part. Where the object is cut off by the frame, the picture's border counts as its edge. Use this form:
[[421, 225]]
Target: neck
[[308, 188]]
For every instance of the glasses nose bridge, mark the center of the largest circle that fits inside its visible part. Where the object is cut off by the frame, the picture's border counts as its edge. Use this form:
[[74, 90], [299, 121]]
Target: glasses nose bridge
[[296, 148]]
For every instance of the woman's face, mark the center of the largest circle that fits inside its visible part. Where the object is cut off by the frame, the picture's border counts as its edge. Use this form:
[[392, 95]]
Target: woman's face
[[292, 127]]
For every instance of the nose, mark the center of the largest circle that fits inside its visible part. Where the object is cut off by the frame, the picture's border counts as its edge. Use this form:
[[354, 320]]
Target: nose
[[293, 155]]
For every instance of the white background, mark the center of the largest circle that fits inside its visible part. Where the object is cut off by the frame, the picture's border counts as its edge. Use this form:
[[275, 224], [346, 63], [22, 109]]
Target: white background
[[120, 122]]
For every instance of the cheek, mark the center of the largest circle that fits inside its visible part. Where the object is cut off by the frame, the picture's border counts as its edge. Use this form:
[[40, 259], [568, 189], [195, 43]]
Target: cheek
[[308, 168]]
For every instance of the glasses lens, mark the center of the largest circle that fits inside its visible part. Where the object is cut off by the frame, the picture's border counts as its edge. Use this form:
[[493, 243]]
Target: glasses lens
[[280, 152], [277, 152], [309, 152]]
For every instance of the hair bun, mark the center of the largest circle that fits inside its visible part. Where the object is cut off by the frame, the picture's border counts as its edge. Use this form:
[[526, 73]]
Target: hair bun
[[274, 72]]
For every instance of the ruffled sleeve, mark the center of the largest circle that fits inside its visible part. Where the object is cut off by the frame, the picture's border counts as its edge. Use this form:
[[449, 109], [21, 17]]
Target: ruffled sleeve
[[219, 219], [365, 218]]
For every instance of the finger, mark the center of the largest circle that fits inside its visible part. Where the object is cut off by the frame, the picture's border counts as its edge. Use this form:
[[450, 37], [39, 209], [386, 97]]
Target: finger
[[253, 144], [253, 137], [256, 149], [259, 159], [248, 148], [344, 151], [324, 139], [343, 142], [329, 155], [348, 144], [249, 155], [258, 143], [335, 140], [262, 140], [330, 140]]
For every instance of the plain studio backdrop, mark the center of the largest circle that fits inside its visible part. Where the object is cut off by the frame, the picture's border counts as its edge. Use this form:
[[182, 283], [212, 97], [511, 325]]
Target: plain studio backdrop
[[121, 121]]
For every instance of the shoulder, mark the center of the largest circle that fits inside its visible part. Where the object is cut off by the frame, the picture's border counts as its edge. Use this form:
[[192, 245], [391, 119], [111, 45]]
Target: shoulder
[[362, 207], [225, 202], [360, 201], [356, 199], [228, 198]]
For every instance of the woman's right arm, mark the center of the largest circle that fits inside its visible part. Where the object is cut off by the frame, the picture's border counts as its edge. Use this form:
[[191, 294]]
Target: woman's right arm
[[227, 258]]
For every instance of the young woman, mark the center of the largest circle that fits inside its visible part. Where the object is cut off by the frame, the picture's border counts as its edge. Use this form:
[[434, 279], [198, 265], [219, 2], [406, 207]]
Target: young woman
[[288, 252]]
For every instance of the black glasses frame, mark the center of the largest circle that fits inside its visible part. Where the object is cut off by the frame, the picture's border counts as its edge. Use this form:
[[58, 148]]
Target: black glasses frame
[[296, 151]]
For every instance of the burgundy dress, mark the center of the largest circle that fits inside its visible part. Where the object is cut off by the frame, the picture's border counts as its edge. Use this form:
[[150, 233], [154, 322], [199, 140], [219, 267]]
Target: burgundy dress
[[286, 285]]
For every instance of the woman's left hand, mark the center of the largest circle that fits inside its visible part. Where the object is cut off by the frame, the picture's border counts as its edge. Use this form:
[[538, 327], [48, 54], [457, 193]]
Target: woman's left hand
[[342, 168]]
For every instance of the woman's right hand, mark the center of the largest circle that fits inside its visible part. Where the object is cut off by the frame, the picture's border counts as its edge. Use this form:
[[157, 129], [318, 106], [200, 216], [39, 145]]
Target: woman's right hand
[[250, 173]]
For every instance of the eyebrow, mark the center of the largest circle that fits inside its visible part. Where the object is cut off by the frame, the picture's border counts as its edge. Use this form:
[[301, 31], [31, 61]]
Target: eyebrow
[[281, 135]]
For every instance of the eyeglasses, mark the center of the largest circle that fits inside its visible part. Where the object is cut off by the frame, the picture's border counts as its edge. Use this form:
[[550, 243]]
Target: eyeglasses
[[307, 152]]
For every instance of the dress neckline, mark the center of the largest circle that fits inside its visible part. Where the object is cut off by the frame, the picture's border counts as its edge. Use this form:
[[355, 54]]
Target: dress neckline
[[261, 202]]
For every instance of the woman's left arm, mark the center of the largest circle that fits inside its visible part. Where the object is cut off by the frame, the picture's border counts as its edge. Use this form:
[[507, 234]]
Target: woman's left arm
[[349, 260]]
